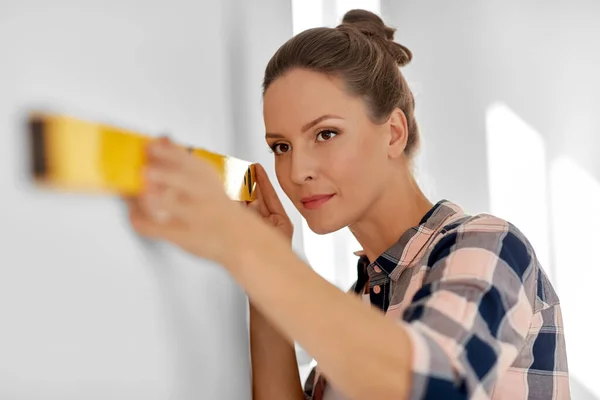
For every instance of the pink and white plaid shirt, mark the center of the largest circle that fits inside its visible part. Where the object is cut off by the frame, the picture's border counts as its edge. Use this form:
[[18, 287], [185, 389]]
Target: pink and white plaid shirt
[[482, 316]]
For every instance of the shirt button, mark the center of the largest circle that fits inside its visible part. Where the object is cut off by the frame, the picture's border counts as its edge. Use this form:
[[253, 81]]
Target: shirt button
[[377, 269], [376, 289]]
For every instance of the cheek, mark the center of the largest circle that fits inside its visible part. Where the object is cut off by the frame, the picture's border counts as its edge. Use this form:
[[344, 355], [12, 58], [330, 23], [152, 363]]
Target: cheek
[[283, 177], [353, 165]]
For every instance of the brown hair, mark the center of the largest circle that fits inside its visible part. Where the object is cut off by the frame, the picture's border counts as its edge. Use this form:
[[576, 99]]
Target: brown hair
[[360, 51]]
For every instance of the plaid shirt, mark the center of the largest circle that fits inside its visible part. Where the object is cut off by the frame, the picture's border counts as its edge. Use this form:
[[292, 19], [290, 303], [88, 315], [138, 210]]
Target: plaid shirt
[[481, 314]]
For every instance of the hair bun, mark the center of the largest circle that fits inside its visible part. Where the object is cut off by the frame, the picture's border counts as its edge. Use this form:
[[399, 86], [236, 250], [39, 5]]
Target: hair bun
[[370, 24]]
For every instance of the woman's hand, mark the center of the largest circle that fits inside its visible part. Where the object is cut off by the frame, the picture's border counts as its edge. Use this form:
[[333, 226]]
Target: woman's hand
[[268, 205], [184, 202]]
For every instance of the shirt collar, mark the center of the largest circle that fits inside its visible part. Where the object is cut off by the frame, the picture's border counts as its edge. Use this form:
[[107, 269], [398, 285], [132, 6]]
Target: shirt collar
[[402, 253]]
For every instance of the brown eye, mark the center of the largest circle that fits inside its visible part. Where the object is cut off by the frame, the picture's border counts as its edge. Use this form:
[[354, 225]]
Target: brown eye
[[281, 148], [325, 135]]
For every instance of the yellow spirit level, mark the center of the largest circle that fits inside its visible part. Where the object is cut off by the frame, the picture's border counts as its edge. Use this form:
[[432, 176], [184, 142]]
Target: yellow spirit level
[[76, 155]]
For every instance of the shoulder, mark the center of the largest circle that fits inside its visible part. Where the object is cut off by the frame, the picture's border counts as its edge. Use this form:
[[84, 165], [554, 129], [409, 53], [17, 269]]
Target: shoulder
[[483, 246]]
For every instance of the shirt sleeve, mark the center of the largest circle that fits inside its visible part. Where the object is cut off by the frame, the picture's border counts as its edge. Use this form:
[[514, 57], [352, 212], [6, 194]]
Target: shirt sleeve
[[471, 317]]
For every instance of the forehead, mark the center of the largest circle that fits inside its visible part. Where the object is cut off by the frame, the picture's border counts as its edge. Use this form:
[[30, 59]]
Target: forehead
[[300, 96]]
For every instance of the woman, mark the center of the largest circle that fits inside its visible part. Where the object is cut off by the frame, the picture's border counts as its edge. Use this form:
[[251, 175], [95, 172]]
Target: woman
[[446, 305]]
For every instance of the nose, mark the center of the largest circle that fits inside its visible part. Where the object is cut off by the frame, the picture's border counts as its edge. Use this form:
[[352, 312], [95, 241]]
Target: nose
[[304, 167]]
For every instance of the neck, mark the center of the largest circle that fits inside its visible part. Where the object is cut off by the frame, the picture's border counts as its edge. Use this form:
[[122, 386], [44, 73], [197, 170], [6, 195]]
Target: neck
[[394, 212]]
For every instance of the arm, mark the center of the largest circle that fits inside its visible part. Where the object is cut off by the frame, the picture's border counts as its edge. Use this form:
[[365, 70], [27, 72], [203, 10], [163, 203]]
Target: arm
[[460, 328], [328, 323], [274, 366], [484, 276], [183, 202], [275, 372]]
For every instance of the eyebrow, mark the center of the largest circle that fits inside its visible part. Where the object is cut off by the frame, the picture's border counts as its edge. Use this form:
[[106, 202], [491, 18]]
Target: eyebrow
[[305, 127]]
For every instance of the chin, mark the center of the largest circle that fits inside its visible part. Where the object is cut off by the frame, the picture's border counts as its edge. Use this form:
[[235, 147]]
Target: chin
[[323, 226]]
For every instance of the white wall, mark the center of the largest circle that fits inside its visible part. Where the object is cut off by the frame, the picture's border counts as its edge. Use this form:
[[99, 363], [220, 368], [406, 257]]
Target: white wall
[[507, 99], [89, 310]]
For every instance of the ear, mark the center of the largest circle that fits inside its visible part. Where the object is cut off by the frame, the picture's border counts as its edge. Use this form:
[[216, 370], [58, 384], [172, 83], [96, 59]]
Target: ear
[[398, 133]]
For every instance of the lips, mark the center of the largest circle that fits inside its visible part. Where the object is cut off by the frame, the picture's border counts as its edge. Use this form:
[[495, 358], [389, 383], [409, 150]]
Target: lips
[[317, 201]]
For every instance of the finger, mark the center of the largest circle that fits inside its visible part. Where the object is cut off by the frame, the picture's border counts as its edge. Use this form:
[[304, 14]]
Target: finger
[[163, 151], [133, 207], [130, 202], [260, 203], [162, 224], [139, 219], [255, 207], [178, 168], [158, 178], [164, 206], [267, 190], [139, 208], [144, 225]]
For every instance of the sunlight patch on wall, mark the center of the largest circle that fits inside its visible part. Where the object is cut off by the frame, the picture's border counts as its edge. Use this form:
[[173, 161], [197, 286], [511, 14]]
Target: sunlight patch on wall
[[575, 198], [517, 176]]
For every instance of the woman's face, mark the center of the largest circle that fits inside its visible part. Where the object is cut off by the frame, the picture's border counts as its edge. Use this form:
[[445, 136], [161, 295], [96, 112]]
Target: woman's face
[[330, 159]]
